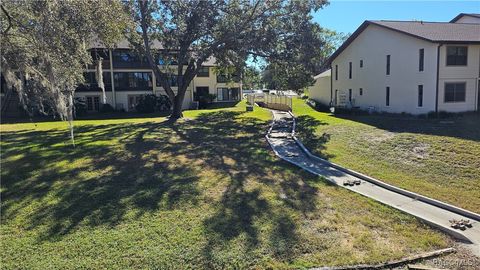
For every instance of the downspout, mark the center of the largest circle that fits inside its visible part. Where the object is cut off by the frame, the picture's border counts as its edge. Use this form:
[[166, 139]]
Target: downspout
[[331, 86], [193, 89], [438, 72], [114, 97], [476, 95], [241, 85]]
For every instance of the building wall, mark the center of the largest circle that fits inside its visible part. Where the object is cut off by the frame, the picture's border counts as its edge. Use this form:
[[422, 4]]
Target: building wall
[[468, 19], [320, 90], [372, 46], [212, 84], [121, 97], [470, 74], [209, 82]]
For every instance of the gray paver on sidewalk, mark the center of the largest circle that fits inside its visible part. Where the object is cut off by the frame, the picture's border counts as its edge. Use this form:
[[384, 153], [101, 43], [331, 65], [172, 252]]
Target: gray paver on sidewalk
[[287, 148]]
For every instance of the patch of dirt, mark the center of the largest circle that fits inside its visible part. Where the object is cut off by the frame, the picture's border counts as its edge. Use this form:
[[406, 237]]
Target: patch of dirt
[[420, 151], [407, 152], [379, 137]]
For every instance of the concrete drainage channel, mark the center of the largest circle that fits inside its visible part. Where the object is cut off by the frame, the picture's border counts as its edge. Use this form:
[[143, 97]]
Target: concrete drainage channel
[[460, 223]]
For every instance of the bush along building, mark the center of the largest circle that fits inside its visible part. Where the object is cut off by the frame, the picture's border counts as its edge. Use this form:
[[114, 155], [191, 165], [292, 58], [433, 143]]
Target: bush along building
[[406, 67]]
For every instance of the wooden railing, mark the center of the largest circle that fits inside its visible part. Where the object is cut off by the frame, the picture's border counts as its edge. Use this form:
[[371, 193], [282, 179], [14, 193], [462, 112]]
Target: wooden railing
[[271, 101]]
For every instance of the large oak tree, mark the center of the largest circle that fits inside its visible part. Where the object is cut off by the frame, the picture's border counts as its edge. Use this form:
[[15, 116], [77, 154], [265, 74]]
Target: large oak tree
[[44, 48], [228, 30], [282, 75]]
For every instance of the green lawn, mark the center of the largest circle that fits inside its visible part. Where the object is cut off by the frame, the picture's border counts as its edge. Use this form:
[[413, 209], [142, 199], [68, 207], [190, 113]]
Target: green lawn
[[206, 192], [437, 158]]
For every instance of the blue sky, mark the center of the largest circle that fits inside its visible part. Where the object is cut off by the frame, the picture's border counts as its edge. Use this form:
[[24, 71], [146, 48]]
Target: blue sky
[[346, 16]]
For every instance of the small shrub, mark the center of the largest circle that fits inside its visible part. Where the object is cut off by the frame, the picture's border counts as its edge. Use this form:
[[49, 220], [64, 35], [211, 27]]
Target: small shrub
[[311, 102], [152, 103], [163, 103], [444, 114], [106, 108], [340, 110], [146, 104], [318, 106], [80, 107], [431, 114], [205, 100]]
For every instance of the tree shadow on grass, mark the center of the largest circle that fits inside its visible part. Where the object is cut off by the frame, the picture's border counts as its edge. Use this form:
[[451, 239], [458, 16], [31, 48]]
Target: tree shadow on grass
[[89, 116], [155, 167], [465, 126], [95, 192], [306, 129]]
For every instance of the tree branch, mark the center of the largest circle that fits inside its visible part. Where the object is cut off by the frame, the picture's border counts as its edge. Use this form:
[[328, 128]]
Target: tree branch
[[9, 18], [158, 73]]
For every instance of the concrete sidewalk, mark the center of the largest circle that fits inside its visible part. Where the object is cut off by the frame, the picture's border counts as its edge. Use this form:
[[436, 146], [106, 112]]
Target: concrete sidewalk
[[281, 137]]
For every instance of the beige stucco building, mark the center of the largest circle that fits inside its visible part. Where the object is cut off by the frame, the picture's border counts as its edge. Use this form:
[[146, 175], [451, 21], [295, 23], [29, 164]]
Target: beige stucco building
[[406, 66], [132, 77], [320, 90]]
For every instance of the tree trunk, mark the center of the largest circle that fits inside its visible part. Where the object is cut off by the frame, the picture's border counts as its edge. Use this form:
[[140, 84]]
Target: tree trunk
[[177, 104], [70, 117], [177, 109]]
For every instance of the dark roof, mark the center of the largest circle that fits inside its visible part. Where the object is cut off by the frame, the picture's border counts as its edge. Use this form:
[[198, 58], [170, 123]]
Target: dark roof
[[476, 15], [437, 32]]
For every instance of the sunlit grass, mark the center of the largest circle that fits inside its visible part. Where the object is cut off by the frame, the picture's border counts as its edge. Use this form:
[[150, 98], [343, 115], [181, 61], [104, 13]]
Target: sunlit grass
[[438, 158], [203, 193]]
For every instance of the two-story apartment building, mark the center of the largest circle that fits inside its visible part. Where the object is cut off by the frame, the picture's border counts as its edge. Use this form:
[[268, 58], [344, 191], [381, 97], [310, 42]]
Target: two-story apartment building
[[127, 77], [407, 66]]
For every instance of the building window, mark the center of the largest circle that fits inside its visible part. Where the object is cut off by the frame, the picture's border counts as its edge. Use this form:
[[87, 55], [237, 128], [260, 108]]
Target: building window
[[387, 96], [222, 94], [336, 72], [200, 92], [350, 95], [90, 82], [227, 94], [361, 63], [388, 65], [204, 72], [350, 70], [133, 81], [420, 96], [128, 59], [97, 53], [93, 103], [235, 93], [457, 55], [361, 92], [455, 92], [172, 79], [421, 56]]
